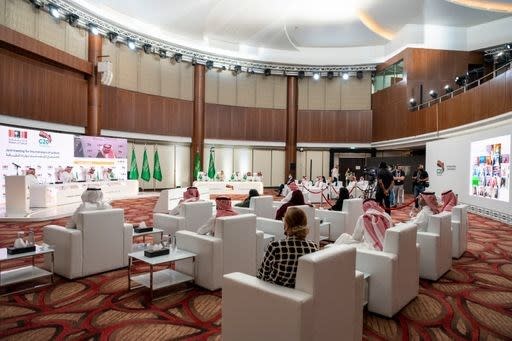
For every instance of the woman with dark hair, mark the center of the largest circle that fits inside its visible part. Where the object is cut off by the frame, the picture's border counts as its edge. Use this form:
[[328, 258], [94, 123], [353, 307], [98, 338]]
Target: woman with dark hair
[[282, 257], [338, 206], [247, 201], [297, 199]]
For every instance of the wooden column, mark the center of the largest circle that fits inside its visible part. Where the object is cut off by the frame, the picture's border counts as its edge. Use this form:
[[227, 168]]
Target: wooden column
[[93, 87], [198, 118], [292, 100]]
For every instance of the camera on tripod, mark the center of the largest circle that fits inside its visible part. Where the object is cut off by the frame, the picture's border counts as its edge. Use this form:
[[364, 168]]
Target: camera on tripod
[[370, 174]]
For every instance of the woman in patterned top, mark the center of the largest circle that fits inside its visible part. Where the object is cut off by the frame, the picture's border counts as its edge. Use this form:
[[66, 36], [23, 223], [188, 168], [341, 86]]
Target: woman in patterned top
[[281, 259]]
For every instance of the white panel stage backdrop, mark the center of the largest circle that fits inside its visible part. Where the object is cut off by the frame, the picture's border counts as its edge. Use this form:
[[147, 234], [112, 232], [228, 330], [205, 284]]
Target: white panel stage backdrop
[[49, 153], [476, 166]]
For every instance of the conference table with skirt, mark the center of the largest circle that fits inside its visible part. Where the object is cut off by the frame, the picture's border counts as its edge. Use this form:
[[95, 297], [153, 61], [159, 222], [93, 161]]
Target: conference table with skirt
[[230, 187], [49, 195]]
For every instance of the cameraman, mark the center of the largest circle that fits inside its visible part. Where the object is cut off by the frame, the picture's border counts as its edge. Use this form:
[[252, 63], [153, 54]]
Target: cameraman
[[384, 184], [420, 181]]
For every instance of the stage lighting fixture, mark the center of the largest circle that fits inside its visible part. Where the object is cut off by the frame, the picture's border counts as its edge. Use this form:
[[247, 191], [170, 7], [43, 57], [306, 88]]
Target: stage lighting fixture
[[93, 29], [36, 3], [237, 69], [460, 80], [316, 76], [162, 53], [177, 57], [345, 76], [54, 11], [193, 62], [267, 72], [448, 88], [146, 48], [223, 67], [72, 19], [500, 54], [359, 75], [209, 64], [131, 44], [112, 36], [509, 46], [433, 93], [412, 102], [301, 74], [330, 74]]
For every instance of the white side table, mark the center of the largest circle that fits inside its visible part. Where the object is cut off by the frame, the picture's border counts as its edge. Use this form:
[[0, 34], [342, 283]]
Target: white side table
[[25, 273]]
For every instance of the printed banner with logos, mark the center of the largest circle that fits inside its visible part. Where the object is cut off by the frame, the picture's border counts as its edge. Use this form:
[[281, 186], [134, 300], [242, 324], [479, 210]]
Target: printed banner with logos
[[58, 157]]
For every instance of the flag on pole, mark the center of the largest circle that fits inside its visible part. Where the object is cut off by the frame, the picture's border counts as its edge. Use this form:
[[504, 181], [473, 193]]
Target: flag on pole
[[197, 165], [145, 174], [134, 171], [157, 172], [211, 164]]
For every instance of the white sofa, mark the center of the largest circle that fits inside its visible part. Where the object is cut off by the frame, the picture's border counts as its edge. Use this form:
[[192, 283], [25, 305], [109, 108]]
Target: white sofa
[[100, 242], [235, 246], [193, 215], [436, 247], [354, 209], [459, 230], [326, 303], [394, 271], [262, 206]]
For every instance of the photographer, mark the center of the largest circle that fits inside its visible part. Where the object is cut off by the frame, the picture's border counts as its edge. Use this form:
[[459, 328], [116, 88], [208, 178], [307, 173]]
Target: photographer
[[420, 182], [384, 185]]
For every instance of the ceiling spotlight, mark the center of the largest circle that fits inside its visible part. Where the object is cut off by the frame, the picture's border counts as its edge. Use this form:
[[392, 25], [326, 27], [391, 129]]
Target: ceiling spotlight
[[193, 62], [131, 44], [448, 88], [433, 93], [344, 76], [460, 80], [267, 72], [237, 69], [316, 76], [93, 29], [54, 11], [301, 74], [500, 54], [36, 3], [112, 36], [209, 64], [177, 57], [72, 19], [223, 67], [509, 46], [359, 74], [412, 102], [146, 48], [162, 53], [330, 74]]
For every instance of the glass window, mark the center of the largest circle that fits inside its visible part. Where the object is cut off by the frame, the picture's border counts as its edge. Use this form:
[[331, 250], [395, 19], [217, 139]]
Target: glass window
[[389, 76]]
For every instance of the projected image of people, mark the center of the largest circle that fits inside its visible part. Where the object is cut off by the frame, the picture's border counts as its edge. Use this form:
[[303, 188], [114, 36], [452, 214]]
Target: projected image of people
[[490, 168]]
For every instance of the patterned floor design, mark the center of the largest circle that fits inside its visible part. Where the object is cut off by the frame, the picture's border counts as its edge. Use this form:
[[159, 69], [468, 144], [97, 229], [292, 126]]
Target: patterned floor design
[[473, 301]]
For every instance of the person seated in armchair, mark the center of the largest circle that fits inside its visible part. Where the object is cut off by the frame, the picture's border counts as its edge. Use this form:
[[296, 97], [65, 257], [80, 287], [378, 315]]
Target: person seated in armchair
[[370, 227], [92, 200], [296, 199], [338, 206], [190, 195], [247, 201], [427, 202], [281, 259], [449, 200], [224, 209]]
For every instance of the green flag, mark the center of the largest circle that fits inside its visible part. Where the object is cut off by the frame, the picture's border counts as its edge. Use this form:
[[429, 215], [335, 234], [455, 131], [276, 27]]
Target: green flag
[[197, 165], [157, 172], [211, 164], [134, 171], [145, 174]]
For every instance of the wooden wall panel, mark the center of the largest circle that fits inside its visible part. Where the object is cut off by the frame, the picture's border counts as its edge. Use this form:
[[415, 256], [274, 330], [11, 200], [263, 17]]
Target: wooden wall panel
[[244, 123], [337, 126], [132, 111], [36, 90]]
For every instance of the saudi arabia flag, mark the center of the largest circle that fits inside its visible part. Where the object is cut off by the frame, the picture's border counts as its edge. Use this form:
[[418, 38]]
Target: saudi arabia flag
[[134, 171], [211, 164], [157, 172], [145, 174]]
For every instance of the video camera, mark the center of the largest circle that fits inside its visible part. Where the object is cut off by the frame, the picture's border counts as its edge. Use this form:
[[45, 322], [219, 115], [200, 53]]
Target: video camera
[[370, 174]]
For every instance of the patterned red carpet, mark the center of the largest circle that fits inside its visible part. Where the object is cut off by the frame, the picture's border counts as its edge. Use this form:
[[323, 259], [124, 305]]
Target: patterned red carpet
[[472, 301]]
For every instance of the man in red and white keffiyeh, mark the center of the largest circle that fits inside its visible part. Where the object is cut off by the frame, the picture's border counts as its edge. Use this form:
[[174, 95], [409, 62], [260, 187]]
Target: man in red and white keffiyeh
[[190, 195], [224, 209], [449, 201]]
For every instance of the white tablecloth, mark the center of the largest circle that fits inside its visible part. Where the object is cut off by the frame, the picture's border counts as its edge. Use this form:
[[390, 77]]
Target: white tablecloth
[[49, 195], [224, 187]]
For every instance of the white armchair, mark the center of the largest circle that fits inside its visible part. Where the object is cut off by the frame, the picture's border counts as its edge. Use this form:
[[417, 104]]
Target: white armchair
[[354, 209], [101, 242], [459, 230], [394, 272], [193, 215], [234, 247], [436, 246], [262, 206], [326, 303], [336, 221]]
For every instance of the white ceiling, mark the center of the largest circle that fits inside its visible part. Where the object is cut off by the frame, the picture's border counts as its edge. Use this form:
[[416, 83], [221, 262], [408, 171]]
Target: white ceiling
[[258, 27]]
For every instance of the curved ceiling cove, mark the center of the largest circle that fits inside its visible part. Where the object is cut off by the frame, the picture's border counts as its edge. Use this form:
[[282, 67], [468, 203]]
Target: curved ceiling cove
[[295, 32]]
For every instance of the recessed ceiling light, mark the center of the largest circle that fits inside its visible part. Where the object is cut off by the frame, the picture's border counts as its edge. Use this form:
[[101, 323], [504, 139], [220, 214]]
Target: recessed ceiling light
[[345, 76], [316, 76]]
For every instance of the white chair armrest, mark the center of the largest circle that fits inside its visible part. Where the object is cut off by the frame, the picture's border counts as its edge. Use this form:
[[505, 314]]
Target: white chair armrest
[[68, 250], [260, 248], [430, 244], [128, 241], [243, 210], [170, 224], [271, 226]]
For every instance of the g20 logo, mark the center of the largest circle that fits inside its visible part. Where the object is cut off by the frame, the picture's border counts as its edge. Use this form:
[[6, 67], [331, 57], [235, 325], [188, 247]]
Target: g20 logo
[[44, 142]]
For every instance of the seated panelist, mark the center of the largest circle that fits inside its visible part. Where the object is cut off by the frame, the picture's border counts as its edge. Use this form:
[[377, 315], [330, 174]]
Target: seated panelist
[[190, 195], [224, 209], [92, 200]]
